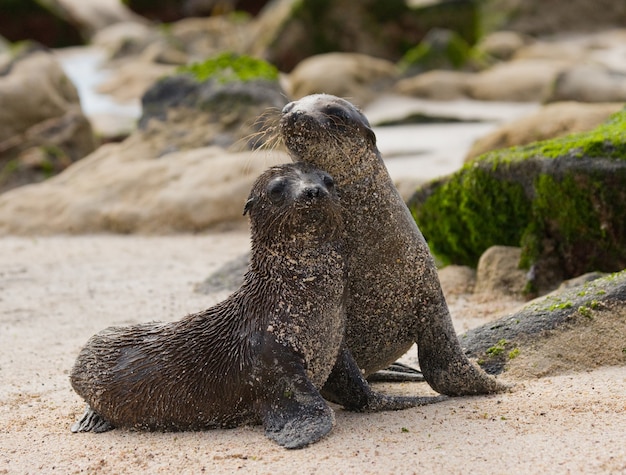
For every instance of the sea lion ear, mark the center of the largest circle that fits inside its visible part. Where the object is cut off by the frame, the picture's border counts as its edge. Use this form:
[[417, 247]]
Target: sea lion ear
[[248, 205], [370, 135]]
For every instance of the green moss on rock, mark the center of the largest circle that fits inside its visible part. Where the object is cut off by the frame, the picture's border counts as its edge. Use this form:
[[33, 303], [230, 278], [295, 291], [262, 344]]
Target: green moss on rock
[[563, 199], [230, 67]]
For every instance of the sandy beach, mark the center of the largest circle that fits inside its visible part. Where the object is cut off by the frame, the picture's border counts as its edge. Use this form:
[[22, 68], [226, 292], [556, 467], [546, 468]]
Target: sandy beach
[[55, 292]]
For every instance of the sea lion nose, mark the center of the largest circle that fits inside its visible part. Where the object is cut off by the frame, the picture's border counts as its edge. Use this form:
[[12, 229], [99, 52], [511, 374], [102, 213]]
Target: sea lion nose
[[314, 191]]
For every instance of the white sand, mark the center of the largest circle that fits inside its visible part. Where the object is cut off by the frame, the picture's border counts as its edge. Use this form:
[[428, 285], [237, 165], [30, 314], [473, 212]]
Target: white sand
[[56, 292]]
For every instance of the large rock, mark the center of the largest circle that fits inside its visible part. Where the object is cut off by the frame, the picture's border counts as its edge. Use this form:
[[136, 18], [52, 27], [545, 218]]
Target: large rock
[[356, 76], [169, 175], [42, 127], [222, 101], [93, 15], [524, 80], [502, 45], [498, 271], [576, 329], [438, 85], [288, 31], [140, 55], [552, 120], [589, 83], [561, 200], [127, 188]]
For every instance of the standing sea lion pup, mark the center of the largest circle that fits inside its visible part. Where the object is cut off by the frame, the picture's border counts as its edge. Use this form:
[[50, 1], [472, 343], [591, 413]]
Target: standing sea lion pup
[[261, 355], [394, 294]]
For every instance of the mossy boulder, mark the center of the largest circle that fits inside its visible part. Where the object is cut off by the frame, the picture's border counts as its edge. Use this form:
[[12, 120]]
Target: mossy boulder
[[573, 329], [221, 98], [562, 200]]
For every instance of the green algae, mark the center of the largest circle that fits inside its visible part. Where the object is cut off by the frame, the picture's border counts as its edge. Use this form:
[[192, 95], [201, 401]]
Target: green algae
[[230, 67], [565, 196]]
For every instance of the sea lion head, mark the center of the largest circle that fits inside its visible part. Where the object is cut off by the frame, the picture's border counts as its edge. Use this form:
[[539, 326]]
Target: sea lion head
[[294, 199], [327, 131]]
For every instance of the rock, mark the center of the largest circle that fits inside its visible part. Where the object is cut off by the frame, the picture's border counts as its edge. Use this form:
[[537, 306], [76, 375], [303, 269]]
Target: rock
[[94, 15], [201, 38], [589, 83], [356, 76], [457, 280], [131, 80], [498, 271], [561, 200], [502, 45], [42, 127], [521, 80], [288, 31], [573, 51], [228, 278], [436, 85], [576, 329], [141, 56], [126, 188], [169, 175], [123, 39], [552, 120], [218, 102]]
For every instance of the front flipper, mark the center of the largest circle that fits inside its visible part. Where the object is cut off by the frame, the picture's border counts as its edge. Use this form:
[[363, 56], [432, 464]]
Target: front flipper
[[298, 416], [347, 386], [293, 411], [91, 422]]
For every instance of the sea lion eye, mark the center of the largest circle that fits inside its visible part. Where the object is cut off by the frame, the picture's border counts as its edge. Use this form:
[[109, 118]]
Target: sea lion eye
[[276, 189], [338, 112], [328, 182]]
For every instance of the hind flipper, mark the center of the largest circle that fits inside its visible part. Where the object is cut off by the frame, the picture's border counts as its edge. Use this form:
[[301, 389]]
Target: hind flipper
[[397, 373], [91, 422], [347, 386]]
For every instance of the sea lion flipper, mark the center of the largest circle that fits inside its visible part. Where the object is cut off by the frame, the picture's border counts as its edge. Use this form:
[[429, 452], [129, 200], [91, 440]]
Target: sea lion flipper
[[347, 386], [298, 415], [91, 422], [397, 373]]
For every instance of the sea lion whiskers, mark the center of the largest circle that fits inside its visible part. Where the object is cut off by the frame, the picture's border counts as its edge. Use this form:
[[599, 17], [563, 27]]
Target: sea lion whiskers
[[262, 126]]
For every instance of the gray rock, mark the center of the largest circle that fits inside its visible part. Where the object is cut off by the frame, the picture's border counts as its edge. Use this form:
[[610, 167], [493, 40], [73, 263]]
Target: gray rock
[[357, 76], [498, 271], [574, 329], [589, 83], [42, 127]]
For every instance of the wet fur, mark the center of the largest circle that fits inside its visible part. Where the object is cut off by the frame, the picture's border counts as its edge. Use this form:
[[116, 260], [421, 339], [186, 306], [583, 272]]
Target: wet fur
[[394, 295], [260, 356]]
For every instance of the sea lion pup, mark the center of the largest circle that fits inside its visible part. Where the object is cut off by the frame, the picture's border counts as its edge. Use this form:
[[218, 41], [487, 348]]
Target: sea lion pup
[[394, 295], [261, 355]]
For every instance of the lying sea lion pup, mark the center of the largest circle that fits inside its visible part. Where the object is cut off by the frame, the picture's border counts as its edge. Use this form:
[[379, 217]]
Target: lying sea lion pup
[[261, 355]]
